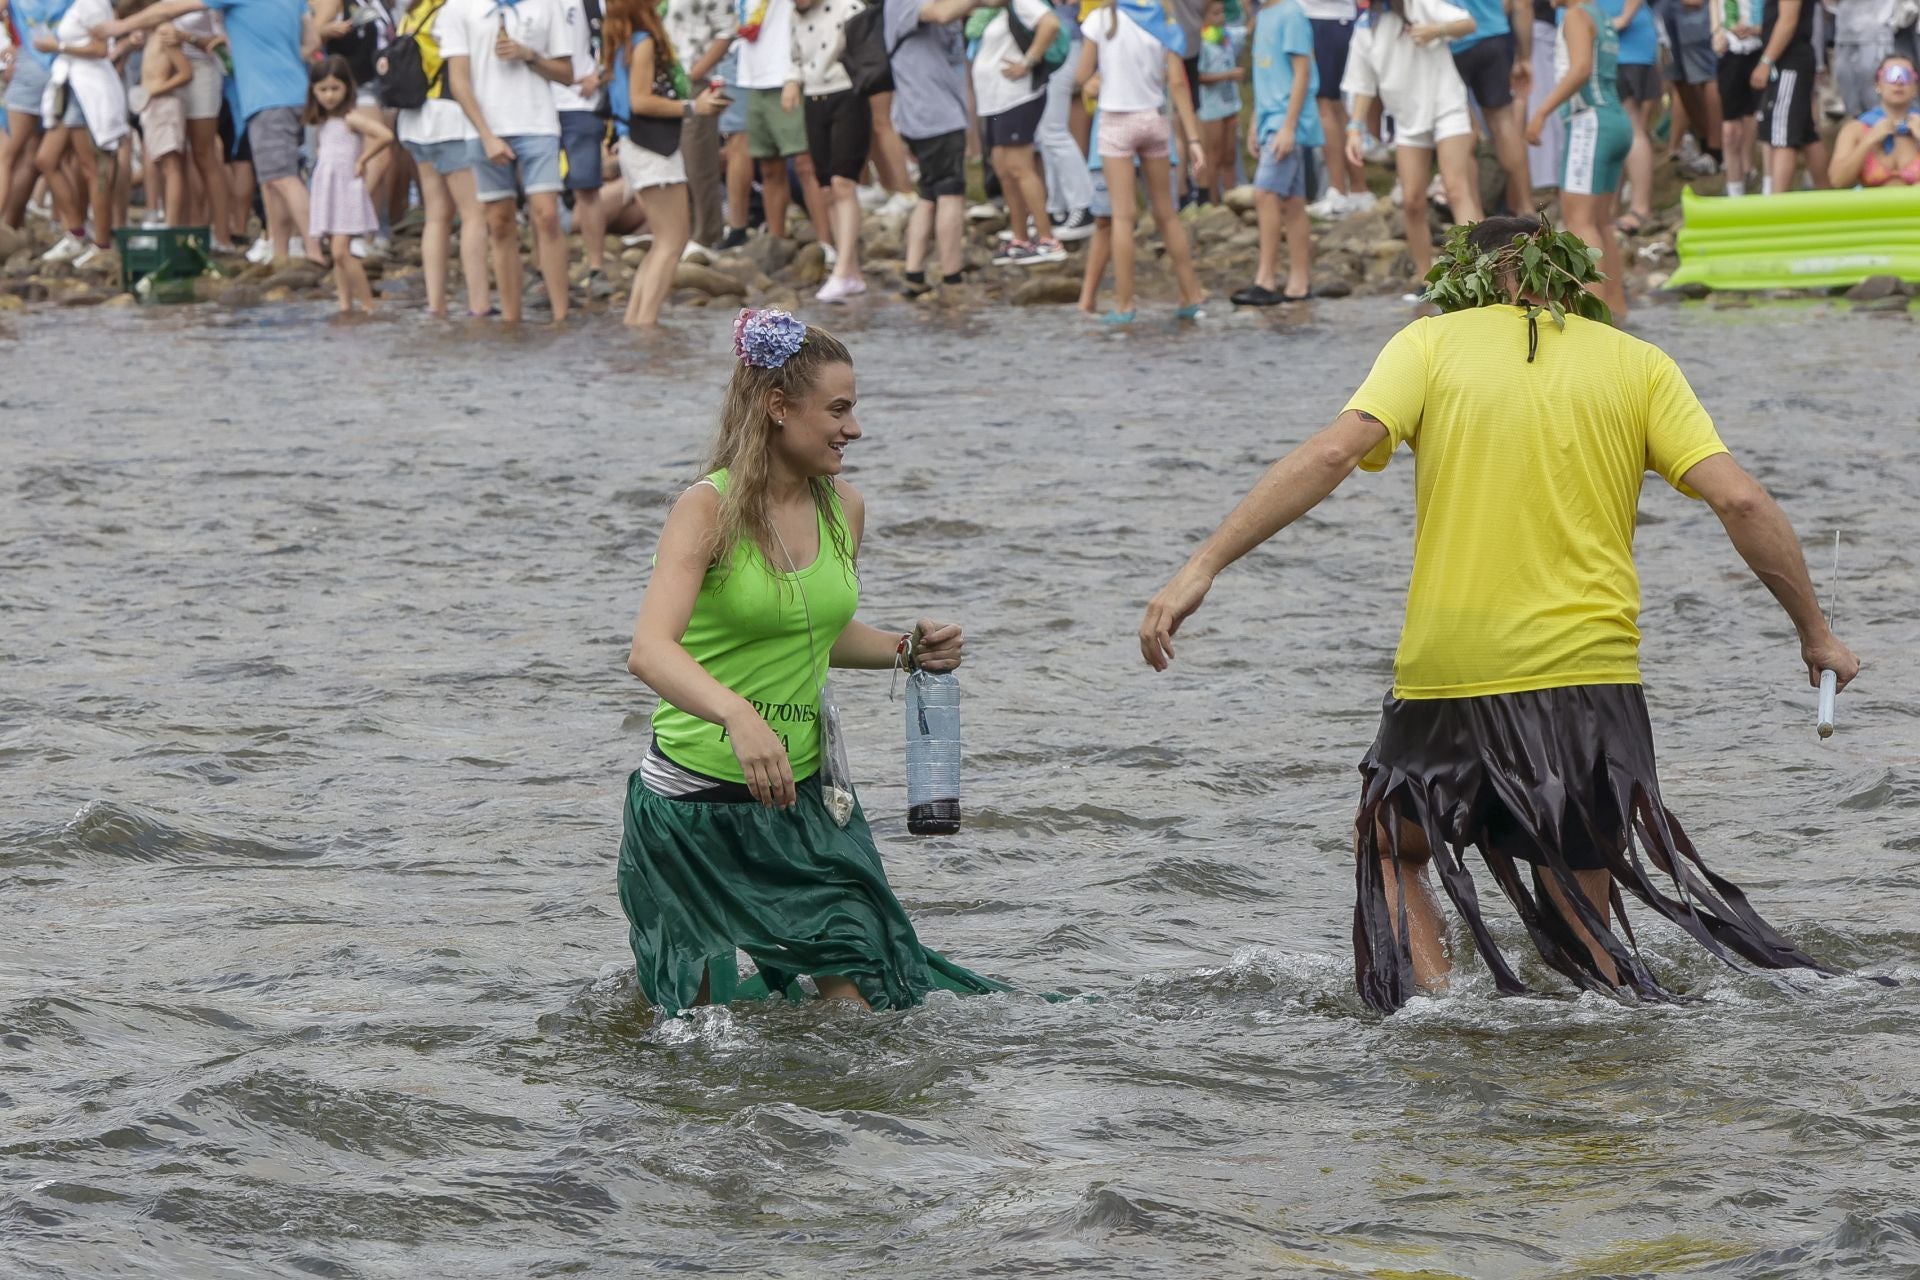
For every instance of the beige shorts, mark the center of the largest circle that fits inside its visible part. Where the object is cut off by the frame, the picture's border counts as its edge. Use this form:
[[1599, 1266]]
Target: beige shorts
[[643, 168], [163, 125]]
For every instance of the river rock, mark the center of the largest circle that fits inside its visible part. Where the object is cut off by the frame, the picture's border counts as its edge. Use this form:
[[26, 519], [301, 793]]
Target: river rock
[[278, 293], [12, 302], [708, 280], [1240, 199], [1208, 223], [295, 276], [1334, 288], [122, 300], [770, 253], [406, 288], [1896, 302], [1692, 289], [781, 298], [809, 266], [1047, 291], [12, 241], [1874, 288]]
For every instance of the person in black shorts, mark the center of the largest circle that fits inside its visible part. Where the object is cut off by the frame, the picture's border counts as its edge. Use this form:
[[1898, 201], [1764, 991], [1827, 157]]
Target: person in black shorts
[[1490, 61], [1785, 72], [1736, 38], [839, 125], [1332, 22]]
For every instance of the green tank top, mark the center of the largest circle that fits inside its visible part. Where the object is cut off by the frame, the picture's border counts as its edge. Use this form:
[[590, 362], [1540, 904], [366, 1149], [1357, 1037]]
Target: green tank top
[[1602, 88], [749, 631]]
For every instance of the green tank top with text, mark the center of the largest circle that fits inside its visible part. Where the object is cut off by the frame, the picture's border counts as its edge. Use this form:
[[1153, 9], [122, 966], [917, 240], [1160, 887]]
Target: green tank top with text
[[749, 630]]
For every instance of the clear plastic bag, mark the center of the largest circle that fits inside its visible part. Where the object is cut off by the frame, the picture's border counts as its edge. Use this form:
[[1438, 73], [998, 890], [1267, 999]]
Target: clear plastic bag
[[836, 779]]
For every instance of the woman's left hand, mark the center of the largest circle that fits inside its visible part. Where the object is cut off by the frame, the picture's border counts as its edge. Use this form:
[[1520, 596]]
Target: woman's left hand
[[938, 646]]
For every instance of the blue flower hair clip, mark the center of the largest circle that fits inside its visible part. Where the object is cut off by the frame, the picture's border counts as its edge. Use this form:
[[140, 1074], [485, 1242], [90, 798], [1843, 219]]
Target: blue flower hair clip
[[767, 339]]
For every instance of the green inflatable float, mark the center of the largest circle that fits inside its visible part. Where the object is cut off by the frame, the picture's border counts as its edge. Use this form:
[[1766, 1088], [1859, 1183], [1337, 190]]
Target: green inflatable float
[[1803, 240]]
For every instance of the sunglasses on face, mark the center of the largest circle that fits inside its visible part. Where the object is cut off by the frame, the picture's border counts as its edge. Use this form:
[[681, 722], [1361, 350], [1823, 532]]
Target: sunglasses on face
[[1897, 75]]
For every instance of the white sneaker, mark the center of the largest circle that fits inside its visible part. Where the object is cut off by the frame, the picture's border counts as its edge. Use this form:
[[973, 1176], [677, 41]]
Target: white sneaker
[[898, 205], [871, 197], [1357, 201], [1374, 151], [639, 240], [833, 256], [696, 252], [155, 218], [296, 248], [1326, 208], [260, 252], [65, 249], [93, 254], [382, 246], [359, 247], [1395, 195], [982, 211]]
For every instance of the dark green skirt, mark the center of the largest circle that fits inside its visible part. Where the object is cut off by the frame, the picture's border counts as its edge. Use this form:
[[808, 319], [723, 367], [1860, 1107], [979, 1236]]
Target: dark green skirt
[[795, 892]]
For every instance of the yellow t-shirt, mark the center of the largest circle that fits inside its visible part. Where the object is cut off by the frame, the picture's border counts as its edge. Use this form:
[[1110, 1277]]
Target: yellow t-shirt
[[1527, 484]]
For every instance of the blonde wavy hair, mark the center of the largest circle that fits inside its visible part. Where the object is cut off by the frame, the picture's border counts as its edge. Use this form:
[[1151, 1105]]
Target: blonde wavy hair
[[744, 449]]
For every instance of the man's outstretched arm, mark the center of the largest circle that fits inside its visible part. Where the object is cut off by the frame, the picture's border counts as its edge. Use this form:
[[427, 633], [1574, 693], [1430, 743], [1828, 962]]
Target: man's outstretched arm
[[1765, 539], [1292, 487]]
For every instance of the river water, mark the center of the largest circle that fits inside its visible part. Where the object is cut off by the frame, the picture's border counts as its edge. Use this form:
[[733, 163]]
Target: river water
[[314, 727]]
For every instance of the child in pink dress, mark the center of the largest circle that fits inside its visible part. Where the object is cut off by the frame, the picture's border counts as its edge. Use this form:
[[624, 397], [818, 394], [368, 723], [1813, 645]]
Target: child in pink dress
[[339, 208]]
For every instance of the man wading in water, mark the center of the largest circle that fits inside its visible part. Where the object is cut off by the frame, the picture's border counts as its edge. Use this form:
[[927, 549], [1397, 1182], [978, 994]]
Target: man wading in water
[[1516, 722]]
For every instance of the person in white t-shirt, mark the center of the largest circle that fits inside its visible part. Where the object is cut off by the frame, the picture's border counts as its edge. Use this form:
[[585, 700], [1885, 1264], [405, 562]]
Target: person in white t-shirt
[[1400, 56], [503, 59], [84, 106], [1137, 54], [776, 135], [1010, 97]]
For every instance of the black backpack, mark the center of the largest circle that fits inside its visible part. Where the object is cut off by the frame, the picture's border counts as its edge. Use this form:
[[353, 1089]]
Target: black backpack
[[360, 46], [404, 83], [867, 58]]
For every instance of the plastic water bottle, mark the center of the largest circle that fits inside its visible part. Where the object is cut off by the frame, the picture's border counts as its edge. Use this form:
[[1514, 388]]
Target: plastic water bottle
[[933, 753]]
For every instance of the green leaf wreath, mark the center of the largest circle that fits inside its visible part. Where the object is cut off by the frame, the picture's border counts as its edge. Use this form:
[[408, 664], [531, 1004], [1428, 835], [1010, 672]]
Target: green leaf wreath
[[1546, 271]]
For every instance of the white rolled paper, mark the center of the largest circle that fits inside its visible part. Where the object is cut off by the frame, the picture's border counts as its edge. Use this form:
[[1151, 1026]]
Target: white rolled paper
[[1828, 684]]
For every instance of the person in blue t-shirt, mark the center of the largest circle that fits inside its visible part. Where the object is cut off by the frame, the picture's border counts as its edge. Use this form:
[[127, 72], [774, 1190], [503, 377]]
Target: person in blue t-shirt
[[1496, 62], [1286, 140], [1640, 92], [268, 40], [31, 19]]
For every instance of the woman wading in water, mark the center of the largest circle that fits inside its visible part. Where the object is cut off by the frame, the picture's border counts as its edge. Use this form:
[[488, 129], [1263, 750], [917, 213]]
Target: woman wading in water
[[729, 840]]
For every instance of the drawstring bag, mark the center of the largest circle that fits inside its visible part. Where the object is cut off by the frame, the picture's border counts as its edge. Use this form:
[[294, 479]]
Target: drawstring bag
[[836, 779]]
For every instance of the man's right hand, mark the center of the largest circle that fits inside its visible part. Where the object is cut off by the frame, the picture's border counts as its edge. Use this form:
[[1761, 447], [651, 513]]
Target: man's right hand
[[498, 152], [1827, 653], [1174, 604]]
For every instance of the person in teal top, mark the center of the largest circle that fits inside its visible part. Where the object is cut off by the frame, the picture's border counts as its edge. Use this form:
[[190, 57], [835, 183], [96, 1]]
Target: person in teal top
[[729, 843], [1586, 55], [1641, 91], [1287, 140]]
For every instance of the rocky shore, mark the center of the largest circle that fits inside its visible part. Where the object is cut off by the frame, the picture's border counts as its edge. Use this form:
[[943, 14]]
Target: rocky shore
[[1363, 254]]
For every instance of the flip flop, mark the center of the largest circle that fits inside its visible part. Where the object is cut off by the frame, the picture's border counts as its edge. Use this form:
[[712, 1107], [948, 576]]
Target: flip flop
[[1620, 224]]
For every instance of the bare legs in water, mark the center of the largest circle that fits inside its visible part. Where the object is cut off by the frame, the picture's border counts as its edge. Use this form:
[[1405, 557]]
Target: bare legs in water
[[1426, 927], [829, 987]]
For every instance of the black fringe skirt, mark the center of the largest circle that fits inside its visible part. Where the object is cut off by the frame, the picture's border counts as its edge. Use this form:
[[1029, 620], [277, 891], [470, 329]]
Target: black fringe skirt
[[1558, 779]]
